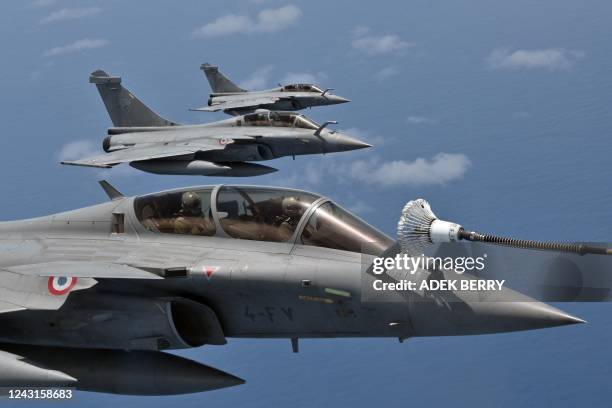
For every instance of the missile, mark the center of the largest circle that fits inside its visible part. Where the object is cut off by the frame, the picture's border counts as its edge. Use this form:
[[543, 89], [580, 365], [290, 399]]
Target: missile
[[202, 168], [109, 371]]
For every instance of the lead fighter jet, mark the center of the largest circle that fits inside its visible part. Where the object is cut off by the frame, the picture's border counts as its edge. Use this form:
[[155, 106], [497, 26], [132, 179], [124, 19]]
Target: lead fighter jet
[[92, 297], [228, 147], [234, 100]]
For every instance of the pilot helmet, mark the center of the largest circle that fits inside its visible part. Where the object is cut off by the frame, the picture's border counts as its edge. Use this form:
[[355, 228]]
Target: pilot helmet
[[291, 207], [191, 203]]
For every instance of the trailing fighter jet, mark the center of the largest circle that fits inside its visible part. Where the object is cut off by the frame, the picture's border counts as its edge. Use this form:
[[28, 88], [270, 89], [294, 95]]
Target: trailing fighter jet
[[92, 297], [234, 100], [228, 147]]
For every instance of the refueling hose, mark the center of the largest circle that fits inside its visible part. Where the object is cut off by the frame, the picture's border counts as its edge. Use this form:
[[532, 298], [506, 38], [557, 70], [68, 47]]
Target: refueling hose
[[580, 249]]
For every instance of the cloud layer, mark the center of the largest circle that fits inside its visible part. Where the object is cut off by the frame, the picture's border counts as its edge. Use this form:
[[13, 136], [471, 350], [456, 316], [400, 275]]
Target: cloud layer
[[267, 21], [441, 169], [438, 170], [378, 45], [78, 149], [552, 59], [258, 79], [77, 46], [70, 14]]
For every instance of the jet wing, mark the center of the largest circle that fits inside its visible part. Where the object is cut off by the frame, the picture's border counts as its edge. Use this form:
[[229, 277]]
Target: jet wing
[[144, 152], [46, 286], [243, 102]]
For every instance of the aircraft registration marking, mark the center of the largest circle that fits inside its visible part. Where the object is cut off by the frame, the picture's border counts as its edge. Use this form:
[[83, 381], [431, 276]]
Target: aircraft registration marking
[[316, 299], [268, 313]]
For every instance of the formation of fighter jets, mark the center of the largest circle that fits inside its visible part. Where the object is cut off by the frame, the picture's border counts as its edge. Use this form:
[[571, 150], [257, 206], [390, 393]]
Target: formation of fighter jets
[[228, 147], [92, 297]]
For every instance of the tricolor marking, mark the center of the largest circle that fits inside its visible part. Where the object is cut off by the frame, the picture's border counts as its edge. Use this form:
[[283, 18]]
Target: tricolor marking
[[209, 270], [60, 285]]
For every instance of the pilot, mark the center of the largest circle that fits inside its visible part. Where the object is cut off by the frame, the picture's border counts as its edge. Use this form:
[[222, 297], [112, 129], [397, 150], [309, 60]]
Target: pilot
[[190, 219], [292, 211], [149, 216]]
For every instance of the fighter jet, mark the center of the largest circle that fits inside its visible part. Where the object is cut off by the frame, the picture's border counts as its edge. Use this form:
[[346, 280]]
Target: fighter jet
[[228, 147], [92, 298], [234, 100]]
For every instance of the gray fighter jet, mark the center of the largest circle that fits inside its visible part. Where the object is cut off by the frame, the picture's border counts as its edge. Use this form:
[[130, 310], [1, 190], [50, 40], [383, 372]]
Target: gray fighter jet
[[234, 100], [92, 297], [228, 147]]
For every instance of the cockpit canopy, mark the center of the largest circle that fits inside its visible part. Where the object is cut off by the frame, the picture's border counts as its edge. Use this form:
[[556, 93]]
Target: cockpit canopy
[[259, 214], [301, 88], [277, 119]]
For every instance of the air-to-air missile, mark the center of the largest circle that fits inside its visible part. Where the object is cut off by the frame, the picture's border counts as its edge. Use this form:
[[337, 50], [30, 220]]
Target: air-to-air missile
[[229, 147], [92, 297]]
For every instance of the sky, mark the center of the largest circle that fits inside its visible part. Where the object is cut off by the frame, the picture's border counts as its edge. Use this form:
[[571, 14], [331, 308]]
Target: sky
[[498, 113]]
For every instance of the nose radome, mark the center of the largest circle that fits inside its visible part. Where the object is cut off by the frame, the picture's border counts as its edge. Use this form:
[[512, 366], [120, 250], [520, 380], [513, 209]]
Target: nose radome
[[336, 99], [341, 142], [463, 313], [515, 316]]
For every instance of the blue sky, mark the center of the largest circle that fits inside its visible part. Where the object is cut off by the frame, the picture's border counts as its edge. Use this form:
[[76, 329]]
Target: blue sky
[[498, 113]]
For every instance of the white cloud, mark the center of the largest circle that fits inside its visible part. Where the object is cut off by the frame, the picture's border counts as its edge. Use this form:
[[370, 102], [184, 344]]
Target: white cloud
[[70, 14], [378, 45], [77, 46], [420, 120], [377, 172], [439, 170], [267, 21], [226, 25], [386, 73], [303, 78], [552, 59], [258, 79], [79, 149]]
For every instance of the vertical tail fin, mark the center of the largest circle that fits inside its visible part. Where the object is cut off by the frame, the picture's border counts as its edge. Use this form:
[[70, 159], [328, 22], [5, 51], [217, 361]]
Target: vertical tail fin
[[219, 82], [124, 109]]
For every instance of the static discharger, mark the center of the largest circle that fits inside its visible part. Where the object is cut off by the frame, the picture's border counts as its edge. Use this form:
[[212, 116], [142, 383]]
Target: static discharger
[[419, 228]]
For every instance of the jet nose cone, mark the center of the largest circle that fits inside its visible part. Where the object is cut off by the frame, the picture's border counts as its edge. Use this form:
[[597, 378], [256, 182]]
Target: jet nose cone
[[336, 99], [465, 313], [341, 143], [515, 316]]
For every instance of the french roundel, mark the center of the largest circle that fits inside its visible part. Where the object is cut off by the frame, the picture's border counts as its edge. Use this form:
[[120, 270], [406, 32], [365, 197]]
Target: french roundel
[[60, 285]]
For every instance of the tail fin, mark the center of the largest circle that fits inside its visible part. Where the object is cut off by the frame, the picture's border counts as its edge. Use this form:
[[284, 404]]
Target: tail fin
[[219, 82], [124, 109]]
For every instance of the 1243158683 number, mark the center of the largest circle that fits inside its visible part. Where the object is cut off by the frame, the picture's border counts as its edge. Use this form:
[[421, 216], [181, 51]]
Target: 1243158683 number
[[40, 393]]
